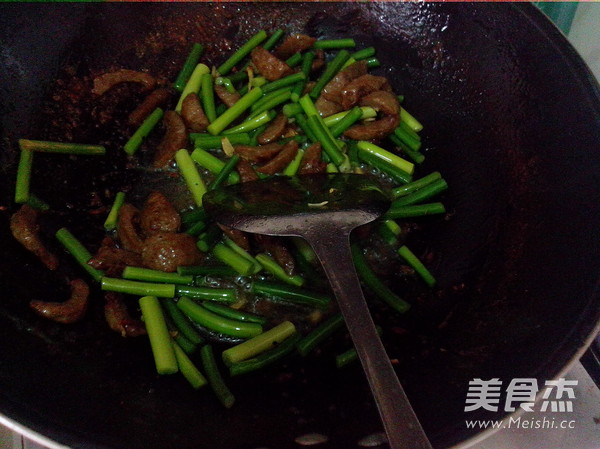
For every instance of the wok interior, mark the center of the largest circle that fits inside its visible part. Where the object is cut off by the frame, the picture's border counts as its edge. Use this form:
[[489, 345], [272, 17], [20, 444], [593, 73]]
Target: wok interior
[[510, 120]]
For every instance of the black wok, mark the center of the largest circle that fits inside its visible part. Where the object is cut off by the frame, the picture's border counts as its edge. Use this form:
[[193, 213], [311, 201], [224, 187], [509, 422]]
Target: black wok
[[512, 119]]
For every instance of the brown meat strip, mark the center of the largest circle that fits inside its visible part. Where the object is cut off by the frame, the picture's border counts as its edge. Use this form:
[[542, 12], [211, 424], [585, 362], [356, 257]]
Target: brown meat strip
[[156, 98], [128, 228], [311, 161], [283, 158], [361, 86], [269, 66], [113, 260], [159, 215], [118, 317], [319, 60], [104, 82], [225, 96], [274, 131], [192, 113], [246, 171], [387, 104], [333, 90], [70, 311], [175, 138], [375, 130], [258, 153], [166, 251], [25, 228], [293, 44], [326, 107], [383, 101]]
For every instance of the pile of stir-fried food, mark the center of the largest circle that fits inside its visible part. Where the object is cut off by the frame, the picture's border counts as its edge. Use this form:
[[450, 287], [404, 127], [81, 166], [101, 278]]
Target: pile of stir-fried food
[[278, 106]]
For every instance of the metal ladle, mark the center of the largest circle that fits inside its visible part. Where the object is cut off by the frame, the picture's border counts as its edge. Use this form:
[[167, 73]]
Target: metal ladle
[[324, 209]]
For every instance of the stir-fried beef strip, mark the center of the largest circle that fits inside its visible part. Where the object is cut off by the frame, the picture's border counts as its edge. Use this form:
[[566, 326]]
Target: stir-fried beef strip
[[319, 60], [326, 107], [229, 98], [25, 228], [118, 317], [158, 97], [361, 86], [387, 104], [274, 131], [246, 171], [159, 215], [192, 113], [69, 311], [334, 89], [106, 81], [112, 259], [311, 161], [128, 228], [175, 138], [269, 66], [165, 251], [382, 101], [281, 160], [258, 153], [293, 44]]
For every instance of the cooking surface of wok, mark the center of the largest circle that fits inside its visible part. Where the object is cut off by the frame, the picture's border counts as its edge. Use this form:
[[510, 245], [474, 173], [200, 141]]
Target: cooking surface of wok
[[512, 120]]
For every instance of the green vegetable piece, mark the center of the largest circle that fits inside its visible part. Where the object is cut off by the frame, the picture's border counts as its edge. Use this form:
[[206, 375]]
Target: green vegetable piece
[[188, 369], [182, 323], [417, 265], [146, 274], [22, 190], [291, 294], [218, 323], [207, 293], [190, 175], [418, 210], [319, 334], [331, 70], [277, 270], [266, 358], [253, 122], [193, 84], [227, 169], [234, 314], [78, 251], [160, 340], [208, 97], [259, 344], [110, 224], [215, 380], [334, 44], [134, 142], [242, 52], [44, 146], [412, 122], [188, 67], [424, 193], [138, 288], [374, 283], [225, 119], [385, 155]]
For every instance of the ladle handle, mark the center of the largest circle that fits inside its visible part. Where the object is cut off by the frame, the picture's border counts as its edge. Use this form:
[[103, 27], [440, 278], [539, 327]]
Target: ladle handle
[[399, 420]]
